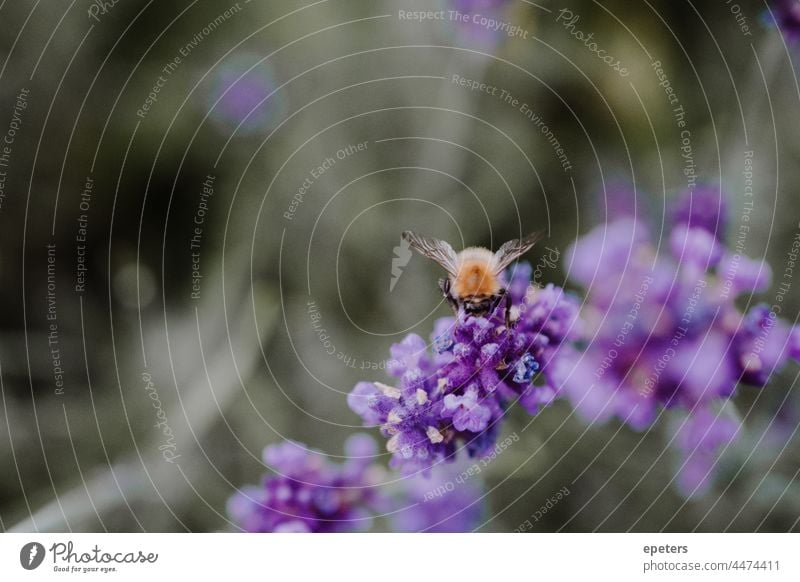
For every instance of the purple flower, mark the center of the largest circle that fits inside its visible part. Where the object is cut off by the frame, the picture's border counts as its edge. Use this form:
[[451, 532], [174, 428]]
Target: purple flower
[[457, 396], [308, 493], [663, 329], [467, 413], [702, 207], [446, 501], [409, 356], [362, 401], [609, 248], [695, 246], [244, 95], [786, 14], [474, 25], [744, 275], [794, 343], [618, 199], [763, 345], [701, 439], [476, 5]]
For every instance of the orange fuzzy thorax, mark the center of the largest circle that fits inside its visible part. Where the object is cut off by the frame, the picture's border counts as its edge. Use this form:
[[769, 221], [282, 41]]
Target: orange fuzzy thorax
[[475, 278]]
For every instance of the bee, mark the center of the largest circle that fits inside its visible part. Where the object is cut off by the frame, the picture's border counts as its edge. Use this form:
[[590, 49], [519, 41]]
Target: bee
[[473, 280]]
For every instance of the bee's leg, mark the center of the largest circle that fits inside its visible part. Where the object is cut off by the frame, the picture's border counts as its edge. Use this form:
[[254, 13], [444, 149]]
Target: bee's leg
[[504, 293], [444, 285], [495, 302]]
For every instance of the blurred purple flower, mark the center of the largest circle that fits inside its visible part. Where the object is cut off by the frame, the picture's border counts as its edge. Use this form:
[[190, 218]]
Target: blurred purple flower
[[619, 199], [476, 5], [700, 439], [475, 27], [786, 14], [308, 493], [244, 95], [446, 501], [703, 208], [458, 397], [794, 343], [664, 329]]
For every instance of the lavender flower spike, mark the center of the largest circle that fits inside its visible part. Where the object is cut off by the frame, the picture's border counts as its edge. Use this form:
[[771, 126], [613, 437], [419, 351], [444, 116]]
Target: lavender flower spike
[[308, 493], [665, 331], [455, 396]]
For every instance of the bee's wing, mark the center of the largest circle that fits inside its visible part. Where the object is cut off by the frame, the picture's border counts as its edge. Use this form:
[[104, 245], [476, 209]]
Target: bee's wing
[[506, 254], [433, 248]]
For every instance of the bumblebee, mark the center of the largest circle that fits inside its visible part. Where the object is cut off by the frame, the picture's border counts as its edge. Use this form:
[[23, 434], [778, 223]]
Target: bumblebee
[[474, 275]]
